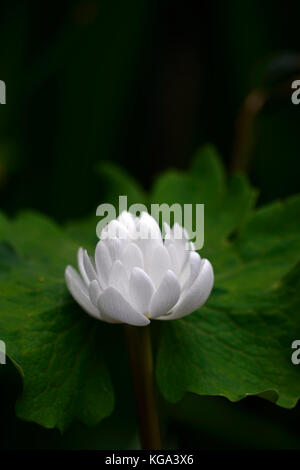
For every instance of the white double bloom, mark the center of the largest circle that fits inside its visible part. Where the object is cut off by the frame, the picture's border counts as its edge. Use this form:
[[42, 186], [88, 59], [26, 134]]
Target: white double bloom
[[138, 276]]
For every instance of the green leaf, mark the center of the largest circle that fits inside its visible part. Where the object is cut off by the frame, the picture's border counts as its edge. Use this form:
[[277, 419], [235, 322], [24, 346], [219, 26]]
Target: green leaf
[[54, 345], [235, 352], [239, 343]]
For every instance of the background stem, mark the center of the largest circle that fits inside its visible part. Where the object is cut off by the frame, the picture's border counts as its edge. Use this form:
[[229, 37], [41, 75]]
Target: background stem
[[250, 109], [140, 355]]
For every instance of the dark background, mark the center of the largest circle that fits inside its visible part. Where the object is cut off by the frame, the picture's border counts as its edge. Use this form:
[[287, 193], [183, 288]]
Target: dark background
[[143, 83]]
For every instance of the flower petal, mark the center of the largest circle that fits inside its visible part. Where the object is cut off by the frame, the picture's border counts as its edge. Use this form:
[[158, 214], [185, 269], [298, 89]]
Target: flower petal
[[148, 228], [180, 233], [118, 278], [114, 230], [113, 306], [194, 264], [132, 257], [103, 263], [89, 267], [127, 220], [141, 289], [159, 264], [115, 247], [175, 266], [148, 237], [167, 233], [196, 295], [192, 246], [182, 255], [94, 292], [166, 296], [79, 291], [81, 266]]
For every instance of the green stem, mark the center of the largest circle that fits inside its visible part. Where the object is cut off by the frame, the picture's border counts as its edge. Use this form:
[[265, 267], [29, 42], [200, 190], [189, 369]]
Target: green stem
[[140, 355]]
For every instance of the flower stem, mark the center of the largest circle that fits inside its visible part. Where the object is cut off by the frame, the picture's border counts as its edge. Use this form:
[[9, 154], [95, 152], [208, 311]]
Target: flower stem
[[140, 355]]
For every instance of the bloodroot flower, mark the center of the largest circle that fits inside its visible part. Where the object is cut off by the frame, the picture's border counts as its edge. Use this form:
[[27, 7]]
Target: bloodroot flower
[[138, 275]]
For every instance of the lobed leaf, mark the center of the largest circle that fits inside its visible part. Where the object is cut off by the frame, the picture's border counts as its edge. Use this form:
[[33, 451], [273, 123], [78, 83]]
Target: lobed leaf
[[54, 346]]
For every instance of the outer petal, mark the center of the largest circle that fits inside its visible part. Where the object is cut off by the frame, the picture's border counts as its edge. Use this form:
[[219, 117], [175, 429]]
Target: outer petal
[[79, 291], [166, 296], [89, 268], [182, 254], [178, 237], [94, 292], [103, 263], [141, 289], [196, 295], [81, 266], [113, 306], [194, 266]]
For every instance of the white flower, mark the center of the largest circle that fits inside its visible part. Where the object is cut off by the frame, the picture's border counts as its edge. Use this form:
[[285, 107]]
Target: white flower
[[138, 276]]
